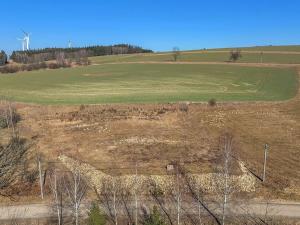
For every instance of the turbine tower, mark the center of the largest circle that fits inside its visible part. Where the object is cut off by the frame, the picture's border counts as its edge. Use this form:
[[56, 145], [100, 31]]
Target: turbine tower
[[23, 41], [70, 44], [26, 40]]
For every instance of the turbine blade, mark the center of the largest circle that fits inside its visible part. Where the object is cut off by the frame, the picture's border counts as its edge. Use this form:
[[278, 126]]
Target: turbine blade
[[24, 32]]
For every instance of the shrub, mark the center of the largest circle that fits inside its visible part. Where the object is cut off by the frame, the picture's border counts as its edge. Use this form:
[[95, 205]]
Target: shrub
[[235, 55], [29, 67], [82, 107], [8, 116], [53, 66], [15, 156], [9, 69], [212, 102], [31, 176], [183, 107], [3, 122], [43, 65], [95, 216]]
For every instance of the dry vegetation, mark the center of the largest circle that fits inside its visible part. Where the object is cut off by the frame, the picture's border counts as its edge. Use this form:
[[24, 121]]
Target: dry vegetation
[[114, 137]]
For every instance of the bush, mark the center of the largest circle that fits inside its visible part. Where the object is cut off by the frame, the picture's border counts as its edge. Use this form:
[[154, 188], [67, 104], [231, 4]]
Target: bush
[[235, 55], [3, 122], [34, 66], [53, 66], [43, 65], [212, 102], [183, 107], [9, 69], [95, 216], [28, 67], [31, 176], [11, 165], [154, 218], [7, 117]]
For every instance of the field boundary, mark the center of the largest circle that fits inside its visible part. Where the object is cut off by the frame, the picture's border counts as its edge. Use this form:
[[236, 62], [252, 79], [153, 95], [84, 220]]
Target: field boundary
[[275, 65]]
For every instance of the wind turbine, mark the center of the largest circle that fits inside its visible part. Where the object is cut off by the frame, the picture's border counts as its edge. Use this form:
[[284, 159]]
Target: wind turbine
[[26, 40], [70, 44], [23, 43]]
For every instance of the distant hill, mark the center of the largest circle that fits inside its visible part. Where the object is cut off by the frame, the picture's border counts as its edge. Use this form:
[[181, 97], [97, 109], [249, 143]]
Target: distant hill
[[46, 54], [281, 48]]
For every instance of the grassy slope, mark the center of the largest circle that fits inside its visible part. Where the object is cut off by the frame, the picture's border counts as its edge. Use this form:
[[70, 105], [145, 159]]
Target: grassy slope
[[128, 83], [201, 57], [288, 48]]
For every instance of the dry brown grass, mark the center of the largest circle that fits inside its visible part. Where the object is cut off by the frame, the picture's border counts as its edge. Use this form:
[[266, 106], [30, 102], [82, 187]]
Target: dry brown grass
[[113, 137]]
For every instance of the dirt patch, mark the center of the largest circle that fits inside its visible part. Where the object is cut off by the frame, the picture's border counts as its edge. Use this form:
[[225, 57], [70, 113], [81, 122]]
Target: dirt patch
[[97, 74]]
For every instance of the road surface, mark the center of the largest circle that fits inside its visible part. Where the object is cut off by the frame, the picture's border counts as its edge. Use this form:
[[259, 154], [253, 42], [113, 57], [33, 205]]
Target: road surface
[[39, 211]]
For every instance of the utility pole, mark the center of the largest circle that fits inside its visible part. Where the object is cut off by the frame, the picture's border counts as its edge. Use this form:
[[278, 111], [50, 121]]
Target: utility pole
[[261, 57], [265, 162]]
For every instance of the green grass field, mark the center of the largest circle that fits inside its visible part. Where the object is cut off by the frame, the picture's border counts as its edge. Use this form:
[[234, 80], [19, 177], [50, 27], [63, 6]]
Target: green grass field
[[282, 48], [145, 83], [205, 56]]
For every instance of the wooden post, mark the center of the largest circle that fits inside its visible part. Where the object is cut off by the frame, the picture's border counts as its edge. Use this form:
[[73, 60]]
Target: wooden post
[[265, 162], [41, 177]]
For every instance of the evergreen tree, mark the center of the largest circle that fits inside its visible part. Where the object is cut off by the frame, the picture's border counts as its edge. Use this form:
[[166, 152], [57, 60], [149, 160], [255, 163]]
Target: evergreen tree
[[154, 218], [95, 216], [3, 58], [46, 54]]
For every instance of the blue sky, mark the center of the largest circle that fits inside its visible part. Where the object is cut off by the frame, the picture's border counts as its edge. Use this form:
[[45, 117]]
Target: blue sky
[[155, 24]]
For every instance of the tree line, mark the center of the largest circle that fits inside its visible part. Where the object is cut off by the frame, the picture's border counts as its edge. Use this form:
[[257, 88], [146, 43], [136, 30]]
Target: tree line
[[3, 58], [46, 54]]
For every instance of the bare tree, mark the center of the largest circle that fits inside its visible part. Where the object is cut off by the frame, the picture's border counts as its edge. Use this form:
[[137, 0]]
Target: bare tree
[[60, 58], [57, 192], [198, 194], [224, 183], [9, 117], [111, 198], [136, 194], [159, 198], [178, 190], [75, 187], [12, 157], [176, 53], [115, 192]]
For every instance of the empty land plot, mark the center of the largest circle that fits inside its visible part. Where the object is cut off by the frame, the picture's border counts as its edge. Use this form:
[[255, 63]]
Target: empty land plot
[[150, 83], [112, 137]]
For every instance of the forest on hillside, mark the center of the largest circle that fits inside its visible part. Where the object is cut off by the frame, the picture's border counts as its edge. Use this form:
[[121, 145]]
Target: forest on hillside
[[46, 54]]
